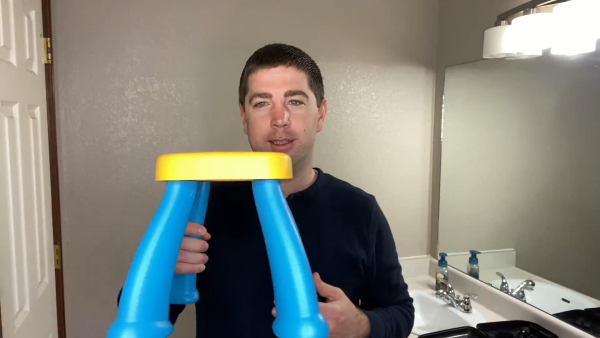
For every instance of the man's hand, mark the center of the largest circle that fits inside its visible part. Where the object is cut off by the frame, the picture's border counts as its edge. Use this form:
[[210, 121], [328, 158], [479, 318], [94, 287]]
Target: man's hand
[[192, 257], [345, 320]]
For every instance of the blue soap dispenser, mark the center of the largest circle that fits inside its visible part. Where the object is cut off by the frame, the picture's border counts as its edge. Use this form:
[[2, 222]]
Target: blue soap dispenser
[[442, 272], [473, 267]]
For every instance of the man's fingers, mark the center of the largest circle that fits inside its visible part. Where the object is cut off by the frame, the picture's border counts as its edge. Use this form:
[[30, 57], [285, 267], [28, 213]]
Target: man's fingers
[[188, 269], [195, 229], [194, 245], [329, 310], [192, 258], [325, 290]]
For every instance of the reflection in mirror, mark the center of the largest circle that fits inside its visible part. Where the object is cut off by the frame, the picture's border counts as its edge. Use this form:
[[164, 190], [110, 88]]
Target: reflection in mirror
[[520, 178]]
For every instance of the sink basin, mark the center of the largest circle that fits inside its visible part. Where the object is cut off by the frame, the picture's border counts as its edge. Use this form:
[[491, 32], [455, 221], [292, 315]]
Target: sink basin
[[433, 314], [552, 298]]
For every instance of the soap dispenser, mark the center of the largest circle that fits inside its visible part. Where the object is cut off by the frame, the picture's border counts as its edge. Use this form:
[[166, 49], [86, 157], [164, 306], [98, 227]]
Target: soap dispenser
[[473, 267], [442, 271]]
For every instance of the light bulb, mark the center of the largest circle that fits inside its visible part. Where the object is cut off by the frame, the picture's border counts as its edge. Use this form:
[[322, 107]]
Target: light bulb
[[577, 27], [533, 33]]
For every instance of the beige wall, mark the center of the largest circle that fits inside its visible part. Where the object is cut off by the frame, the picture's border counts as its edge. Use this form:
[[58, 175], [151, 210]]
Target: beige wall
[[460, 34], [136, 79], [520, 165]]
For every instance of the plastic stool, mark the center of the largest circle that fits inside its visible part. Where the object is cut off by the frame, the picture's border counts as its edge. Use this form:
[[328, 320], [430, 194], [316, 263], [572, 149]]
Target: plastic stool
[[151, 284]]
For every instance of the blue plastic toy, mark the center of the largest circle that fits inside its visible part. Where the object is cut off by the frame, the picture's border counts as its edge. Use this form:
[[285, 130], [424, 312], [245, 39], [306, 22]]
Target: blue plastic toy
[[151, 284]]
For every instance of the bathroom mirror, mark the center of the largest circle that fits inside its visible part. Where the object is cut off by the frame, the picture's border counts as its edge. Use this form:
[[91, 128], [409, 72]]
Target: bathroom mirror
[[520, 178]]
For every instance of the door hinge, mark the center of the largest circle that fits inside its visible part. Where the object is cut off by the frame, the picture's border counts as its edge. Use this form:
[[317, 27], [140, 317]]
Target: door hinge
[[47, 51], [57, 258]]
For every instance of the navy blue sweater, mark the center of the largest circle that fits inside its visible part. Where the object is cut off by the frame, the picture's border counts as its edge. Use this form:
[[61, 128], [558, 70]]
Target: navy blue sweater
[[347, 240]]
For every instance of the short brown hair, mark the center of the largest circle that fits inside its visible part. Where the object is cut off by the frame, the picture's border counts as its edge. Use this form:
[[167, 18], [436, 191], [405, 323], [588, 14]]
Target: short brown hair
[[278, 54]]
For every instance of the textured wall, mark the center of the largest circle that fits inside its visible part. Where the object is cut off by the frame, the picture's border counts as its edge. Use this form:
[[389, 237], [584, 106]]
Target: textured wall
[[139, 78], [520, 165]]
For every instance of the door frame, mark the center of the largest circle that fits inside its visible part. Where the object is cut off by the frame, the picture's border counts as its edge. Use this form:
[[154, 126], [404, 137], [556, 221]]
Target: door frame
[[54, 173]]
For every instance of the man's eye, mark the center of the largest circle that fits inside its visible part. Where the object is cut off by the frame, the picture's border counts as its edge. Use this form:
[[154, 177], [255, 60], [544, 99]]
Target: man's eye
[[296, 102], [260, 104]]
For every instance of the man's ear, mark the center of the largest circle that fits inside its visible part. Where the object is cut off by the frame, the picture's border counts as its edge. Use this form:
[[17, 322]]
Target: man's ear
[[322, 114], [243, 116]]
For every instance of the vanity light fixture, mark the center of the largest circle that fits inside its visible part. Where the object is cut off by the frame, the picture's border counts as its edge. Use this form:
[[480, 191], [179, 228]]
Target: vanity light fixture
[[566, 27], [498, 42]]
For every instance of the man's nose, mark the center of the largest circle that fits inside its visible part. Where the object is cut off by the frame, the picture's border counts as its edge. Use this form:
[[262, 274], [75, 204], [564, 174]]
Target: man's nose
[[280, 116]]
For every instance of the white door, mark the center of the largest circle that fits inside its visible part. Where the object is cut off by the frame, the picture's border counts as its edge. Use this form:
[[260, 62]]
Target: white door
[[27, 285]]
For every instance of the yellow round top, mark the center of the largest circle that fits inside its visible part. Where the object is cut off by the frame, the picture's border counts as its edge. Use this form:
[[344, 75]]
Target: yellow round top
[[223, 166]]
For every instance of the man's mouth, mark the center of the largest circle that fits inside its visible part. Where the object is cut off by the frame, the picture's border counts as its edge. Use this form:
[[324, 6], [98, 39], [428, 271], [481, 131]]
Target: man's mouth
[[281, 142]]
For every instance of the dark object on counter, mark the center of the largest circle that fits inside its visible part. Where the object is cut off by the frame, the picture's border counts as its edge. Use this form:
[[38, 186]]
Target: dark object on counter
[[587, 320], [594, 311], [460, 332], [515, 329]]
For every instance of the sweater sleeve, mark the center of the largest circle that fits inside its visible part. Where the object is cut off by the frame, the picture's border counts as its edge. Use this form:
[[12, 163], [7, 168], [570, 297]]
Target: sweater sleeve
[[386, 300]]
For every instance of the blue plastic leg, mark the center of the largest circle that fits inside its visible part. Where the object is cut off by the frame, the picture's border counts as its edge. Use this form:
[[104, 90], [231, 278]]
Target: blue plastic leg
[[295, 294], [144, 305], [184, 289]]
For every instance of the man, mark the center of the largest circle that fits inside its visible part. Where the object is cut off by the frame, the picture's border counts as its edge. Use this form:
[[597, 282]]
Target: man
[[347, 239]]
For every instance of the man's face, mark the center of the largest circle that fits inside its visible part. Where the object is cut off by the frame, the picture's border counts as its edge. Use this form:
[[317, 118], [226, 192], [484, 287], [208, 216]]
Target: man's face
[[281, 113]]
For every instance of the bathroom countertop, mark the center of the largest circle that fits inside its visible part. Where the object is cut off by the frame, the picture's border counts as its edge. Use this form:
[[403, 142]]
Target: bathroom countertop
[[493, 304], [510, 307], [427, 283], [489, 275]]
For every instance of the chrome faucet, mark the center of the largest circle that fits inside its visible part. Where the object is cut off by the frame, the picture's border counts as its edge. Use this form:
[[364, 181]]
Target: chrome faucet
[[446, 288], [519, 291], [447, 294]]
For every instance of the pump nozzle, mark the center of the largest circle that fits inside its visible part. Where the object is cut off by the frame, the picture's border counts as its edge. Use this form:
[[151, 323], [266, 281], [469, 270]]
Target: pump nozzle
[[442, 262], [473, 259]]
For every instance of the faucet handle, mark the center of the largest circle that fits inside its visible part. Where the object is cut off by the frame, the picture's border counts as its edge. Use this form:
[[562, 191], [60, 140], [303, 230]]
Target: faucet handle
[[466, 302], [448, 287], [504, 286], [470, 295], [528, 285]]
